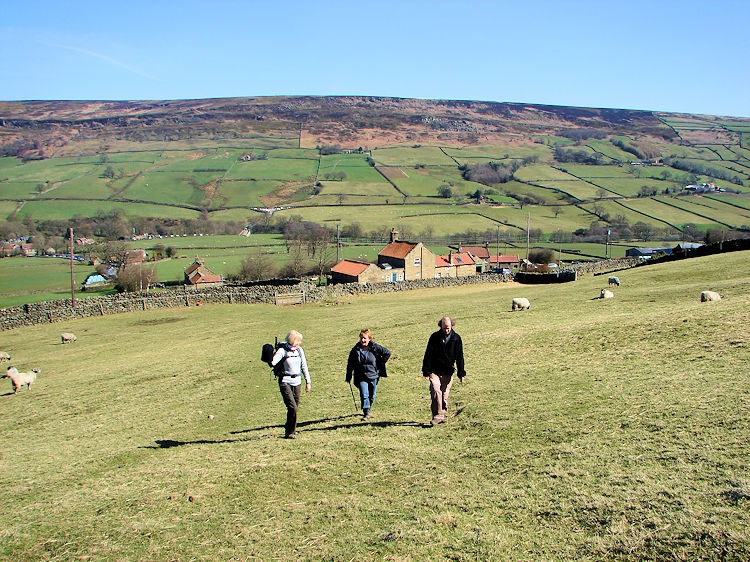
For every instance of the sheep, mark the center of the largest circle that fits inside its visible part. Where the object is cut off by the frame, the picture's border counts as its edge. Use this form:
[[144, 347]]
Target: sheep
[[4, 356], [520, 304], [606, 294], [614, 281], [19, 379], [710, 296], [67, 337]]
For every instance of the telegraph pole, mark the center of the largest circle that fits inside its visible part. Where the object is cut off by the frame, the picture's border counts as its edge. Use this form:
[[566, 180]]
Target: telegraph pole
[[72, 282], [528, 236]]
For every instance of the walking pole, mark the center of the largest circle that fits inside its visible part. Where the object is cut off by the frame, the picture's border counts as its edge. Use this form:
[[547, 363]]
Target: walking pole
[[353, 399]]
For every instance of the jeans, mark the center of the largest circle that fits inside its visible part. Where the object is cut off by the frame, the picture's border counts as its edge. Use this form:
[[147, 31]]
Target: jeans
[[440, 389], [291, 395], [367, 390]]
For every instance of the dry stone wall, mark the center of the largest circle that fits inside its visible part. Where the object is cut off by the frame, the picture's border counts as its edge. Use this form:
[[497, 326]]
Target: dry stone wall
[[62, 310]]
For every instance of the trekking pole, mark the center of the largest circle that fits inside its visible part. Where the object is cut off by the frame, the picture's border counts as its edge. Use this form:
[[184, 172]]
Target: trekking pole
[[353, 399]]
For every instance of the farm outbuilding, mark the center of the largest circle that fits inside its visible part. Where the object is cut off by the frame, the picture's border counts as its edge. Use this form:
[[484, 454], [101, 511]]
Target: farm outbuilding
[[199, 274]]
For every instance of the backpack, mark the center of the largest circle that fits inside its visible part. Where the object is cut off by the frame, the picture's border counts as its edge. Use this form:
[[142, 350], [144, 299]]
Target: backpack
[[267, 352]]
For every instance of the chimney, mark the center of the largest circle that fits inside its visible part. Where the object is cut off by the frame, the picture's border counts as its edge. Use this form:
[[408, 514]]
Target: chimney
[[394, 235]]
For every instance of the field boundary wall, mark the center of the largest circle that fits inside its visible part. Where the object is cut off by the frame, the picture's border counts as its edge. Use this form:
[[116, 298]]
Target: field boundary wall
[[62, 310]]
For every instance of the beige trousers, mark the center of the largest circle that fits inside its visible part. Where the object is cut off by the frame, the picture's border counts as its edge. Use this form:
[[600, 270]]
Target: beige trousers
[[440, 389]]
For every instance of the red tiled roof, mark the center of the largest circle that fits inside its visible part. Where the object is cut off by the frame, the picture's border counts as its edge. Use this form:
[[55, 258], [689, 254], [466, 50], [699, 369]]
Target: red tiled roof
[[504, 259], [440, 261], [456, 259], [478, 251], [350, 267], [397, 249]]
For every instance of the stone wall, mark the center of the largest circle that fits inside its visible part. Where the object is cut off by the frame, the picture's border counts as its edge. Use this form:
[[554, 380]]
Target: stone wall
[[61, 310]]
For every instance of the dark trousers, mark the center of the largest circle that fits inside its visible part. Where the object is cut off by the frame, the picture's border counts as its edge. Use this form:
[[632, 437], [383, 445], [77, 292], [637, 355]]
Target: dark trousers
[[291, 395]]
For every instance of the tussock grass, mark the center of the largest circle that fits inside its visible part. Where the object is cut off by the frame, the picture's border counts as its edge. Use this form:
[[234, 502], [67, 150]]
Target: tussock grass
[[586, 429]]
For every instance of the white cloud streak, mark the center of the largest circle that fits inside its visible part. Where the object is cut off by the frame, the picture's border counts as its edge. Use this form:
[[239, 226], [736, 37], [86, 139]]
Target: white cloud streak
[[108, 60]]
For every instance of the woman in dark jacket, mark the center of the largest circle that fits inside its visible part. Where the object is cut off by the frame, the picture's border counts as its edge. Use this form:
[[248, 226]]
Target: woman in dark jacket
[[367, 364]]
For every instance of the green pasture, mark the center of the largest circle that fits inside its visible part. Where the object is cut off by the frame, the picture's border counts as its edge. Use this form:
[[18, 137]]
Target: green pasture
[[567, 449], [497, 153], [246, 192], [672, 215], [606, 148], [410, 156], [89, 186], [614, 208], [576, 188], [540, 172], [60, 210], [425, 181], [18, 189], [713, 210], [359, 188], [286, 169], [164, 187], [731, 199], [631, 187], [33, 279], [596, 172], [354, 166]]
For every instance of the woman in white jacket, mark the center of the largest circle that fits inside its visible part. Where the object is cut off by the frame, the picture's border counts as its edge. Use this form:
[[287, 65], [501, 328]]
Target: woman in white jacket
[[291, 371]]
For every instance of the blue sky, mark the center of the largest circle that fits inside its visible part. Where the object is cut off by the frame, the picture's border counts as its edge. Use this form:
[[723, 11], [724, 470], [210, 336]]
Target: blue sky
[[682, 56]]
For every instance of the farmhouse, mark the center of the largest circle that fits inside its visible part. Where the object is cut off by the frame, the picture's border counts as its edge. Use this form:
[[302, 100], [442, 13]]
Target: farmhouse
[[198, 273], [455, 265], [353, 271], [504, 261], [135, 256], [28, 250], [413, 257], [9, 249]]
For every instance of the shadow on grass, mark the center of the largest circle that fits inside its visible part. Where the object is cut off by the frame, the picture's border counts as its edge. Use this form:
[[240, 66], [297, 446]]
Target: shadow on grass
[[169, 443]]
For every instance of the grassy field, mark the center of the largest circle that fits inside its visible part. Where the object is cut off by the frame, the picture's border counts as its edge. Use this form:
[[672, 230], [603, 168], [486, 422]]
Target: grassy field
[[595, 429]]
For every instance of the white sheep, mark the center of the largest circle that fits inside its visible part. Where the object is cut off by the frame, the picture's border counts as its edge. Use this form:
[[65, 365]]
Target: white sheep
[[4, 356], [520, 303], [710, 296], [19, 379], [606, 294], [67, 337]]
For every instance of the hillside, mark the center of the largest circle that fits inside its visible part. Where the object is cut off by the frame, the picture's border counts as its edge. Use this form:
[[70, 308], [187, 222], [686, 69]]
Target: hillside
[[467, 166], [593, 429]]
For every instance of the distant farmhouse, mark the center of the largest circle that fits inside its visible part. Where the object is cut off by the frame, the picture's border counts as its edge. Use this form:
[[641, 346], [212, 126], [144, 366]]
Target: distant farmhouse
[[650, 252], [199, 274], [405, 261], [487, 261]]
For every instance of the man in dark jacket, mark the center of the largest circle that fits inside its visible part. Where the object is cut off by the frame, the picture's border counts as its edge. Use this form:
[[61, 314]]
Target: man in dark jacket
[[366, 363], [444, 350]]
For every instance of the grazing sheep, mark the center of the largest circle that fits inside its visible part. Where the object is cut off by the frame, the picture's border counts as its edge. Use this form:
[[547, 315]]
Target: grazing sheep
[[67, 337], [710, 296], [520, 304], [614, 281], [19, 379], [4, 356], [606, 294]]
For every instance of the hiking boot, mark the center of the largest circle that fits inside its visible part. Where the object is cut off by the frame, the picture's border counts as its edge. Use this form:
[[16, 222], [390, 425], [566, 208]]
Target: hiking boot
[[290, 436], [366, 414], [437, 419]]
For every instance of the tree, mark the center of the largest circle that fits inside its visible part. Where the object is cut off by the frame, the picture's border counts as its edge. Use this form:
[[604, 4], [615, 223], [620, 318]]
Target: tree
[[541, 255], [135, 277], [109, 172], [258, 265], [643, 231], [445, 191]]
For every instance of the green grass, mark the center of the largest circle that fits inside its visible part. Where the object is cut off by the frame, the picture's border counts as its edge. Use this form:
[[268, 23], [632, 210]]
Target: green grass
[[595, 430]]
